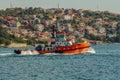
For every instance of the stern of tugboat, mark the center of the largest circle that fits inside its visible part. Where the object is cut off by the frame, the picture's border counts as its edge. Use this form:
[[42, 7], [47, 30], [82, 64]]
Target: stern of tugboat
[[17, 51]]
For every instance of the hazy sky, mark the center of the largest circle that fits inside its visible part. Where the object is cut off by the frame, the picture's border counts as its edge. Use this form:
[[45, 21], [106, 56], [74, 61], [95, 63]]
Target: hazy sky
[[102, 5]]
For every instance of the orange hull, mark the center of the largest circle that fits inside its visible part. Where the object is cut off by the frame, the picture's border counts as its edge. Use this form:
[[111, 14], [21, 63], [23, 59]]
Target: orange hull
[[78, 51], [74, 49], [80, 48]]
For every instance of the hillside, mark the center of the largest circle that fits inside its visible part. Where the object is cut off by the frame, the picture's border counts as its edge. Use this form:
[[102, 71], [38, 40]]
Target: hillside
[[33, 25]]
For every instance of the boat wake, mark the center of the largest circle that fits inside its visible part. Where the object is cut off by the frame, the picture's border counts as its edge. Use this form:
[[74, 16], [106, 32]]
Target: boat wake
[[29, 52], [6, 54], [91, 50]]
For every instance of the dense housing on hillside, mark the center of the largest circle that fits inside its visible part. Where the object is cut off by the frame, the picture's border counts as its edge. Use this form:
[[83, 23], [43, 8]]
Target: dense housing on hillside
[[33, 25]]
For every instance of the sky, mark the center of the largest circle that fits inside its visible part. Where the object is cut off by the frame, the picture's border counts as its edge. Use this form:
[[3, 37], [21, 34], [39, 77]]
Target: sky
[[101, 5]]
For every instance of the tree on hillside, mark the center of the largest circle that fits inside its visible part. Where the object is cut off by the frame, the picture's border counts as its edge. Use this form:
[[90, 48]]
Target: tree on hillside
[[118, 28]]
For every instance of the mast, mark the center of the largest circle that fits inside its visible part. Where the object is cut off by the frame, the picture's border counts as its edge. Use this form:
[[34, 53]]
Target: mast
[[55, 30], [58, 6], [57, 24]]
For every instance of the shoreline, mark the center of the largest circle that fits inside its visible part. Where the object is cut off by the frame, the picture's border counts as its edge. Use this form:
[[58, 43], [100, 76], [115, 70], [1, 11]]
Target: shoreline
[[14, 45], [22, 45]]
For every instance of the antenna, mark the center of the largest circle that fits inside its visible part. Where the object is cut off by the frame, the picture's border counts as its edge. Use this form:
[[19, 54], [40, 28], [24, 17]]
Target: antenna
[[58, 6], [97, 7], [11, 6]]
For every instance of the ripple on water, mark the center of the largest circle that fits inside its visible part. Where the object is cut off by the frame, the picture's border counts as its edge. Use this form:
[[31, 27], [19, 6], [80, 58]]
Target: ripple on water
[[103, 65]]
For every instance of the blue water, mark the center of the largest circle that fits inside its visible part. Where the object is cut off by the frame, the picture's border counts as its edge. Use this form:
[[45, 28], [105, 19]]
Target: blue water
[[103, 65]]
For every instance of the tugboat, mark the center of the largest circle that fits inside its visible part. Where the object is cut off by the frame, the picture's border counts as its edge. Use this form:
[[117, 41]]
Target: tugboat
[[59, 44]]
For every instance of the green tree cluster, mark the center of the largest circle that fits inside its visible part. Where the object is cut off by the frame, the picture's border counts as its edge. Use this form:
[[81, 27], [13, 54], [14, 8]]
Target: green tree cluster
[[6, 38]]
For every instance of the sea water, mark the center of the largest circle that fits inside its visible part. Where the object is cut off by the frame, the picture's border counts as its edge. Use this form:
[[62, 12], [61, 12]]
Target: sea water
[[103, 65]]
